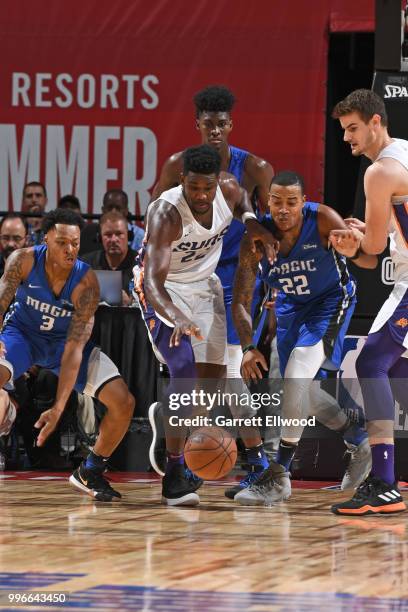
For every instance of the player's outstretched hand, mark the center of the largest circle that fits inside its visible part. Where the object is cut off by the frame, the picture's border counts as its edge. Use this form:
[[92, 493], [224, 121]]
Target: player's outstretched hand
[[256, 231], [183, 326], [47, 423], [353, 223], [346, 242], [250, 369]]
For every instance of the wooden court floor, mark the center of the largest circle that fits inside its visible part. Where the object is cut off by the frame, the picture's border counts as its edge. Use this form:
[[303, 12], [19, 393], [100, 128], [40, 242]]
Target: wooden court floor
[[219, 557]]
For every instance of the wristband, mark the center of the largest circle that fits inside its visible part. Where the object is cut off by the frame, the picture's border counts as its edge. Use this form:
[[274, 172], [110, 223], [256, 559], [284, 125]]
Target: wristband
[[248, 347], [248, 215]]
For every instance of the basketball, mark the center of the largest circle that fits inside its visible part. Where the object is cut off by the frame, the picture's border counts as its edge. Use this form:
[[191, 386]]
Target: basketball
[[210, 452]]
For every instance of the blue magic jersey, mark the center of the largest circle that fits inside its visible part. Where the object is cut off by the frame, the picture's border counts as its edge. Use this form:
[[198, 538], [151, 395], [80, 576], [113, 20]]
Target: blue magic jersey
[[316, 296], [232, 239], [310, 270], [36, 310]]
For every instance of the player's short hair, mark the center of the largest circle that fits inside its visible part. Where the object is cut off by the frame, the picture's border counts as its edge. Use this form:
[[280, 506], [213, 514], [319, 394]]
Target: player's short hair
[[287, 178], [11, 216], [35, 184], [214, 99], [364, 102], [65, 216], [201, 160], [69, 201]]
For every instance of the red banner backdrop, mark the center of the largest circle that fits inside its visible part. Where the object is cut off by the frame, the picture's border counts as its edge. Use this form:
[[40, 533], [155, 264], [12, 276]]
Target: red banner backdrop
[[97, 94]]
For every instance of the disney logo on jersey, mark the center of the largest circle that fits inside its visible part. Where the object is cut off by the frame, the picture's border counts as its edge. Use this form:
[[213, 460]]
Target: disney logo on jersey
[[198, 249]]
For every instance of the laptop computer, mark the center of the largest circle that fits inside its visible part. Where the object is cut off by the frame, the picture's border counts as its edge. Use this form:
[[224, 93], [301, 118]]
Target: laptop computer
[[110, 285]]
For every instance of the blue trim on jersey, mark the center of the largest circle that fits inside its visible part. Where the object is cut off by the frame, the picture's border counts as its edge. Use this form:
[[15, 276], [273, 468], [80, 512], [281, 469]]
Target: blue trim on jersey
[[316, 296]]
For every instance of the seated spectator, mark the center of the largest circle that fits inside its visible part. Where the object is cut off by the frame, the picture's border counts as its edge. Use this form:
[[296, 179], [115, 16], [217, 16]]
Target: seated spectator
[[13, 235], [70, 201], [115, 253], [114, 199], [34, 201]]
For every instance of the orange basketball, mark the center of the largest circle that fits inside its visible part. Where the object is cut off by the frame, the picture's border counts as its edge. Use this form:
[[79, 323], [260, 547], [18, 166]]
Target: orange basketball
[[210, 452]]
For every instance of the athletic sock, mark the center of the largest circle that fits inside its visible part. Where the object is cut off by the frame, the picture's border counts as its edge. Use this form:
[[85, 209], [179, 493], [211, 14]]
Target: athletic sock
[[383, 462], [96, 462], [256, 457], [172, 460], [286, 452]]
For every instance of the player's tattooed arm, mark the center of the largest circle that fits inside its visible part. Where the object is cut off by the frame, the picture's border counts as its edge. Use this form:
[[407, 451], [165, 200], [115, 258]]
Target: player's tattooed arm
[[85, 299], [253, 363], [244, 284], [17, 268]]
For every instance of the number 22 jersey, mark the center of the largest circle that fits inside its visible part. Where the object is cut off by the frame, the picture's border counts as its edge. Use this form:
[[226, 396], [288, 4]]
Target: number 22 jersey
[[316, 295]]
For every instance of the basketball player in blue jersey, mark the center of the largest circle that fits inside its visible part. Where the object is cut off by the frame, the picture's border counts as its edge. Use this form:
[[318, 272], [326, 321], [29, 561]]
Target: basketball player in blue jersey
[[179, 293], [382, 366], [314, 305], [49, 325], [214, 105]]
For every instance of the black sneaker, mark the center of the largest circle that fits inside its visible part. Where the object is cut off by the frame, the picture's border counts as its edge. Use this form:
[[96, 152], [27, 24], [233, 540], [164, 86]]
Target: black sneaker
[[93, 483], [157, 450], [177, 490], [195, 481], [373, 496]]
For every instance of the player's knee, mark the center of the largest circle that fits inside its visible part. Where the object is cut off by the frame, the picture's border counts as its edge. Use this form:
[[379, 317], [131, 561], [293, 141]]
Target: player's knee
[[125, 405], [129, 407]]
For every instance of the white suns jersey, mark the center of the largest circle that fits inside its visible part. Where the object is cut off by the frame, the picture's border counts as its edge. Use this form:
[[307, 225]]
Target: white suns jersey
[[195, 255], [398, 229]]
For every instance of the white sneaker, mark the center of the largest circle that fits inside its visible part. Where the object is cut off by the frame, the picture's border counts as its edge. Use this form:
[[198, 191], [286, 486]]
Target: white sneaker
[[273, 486], [360, 465]]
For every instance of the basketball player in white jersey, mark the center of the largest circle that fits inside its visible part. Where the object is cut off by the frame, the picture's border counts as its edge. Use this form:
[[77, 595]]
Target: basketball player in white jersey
[[180, 296], [381, 366]]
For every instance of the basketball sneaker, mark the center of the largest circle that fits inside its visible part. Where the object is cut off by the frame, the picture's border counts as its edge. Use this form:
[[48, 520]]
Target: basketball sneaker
[[272, 486], [157, 450], [373, 496], [93, 483], [252, 476], [194, 480], [177, 490], [359, 466]]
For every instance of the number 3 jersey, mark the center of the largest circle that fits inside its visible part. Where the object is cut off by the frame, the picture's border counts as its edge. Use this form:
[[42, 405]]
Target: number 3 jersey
[[316, 293], [36, 310]]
